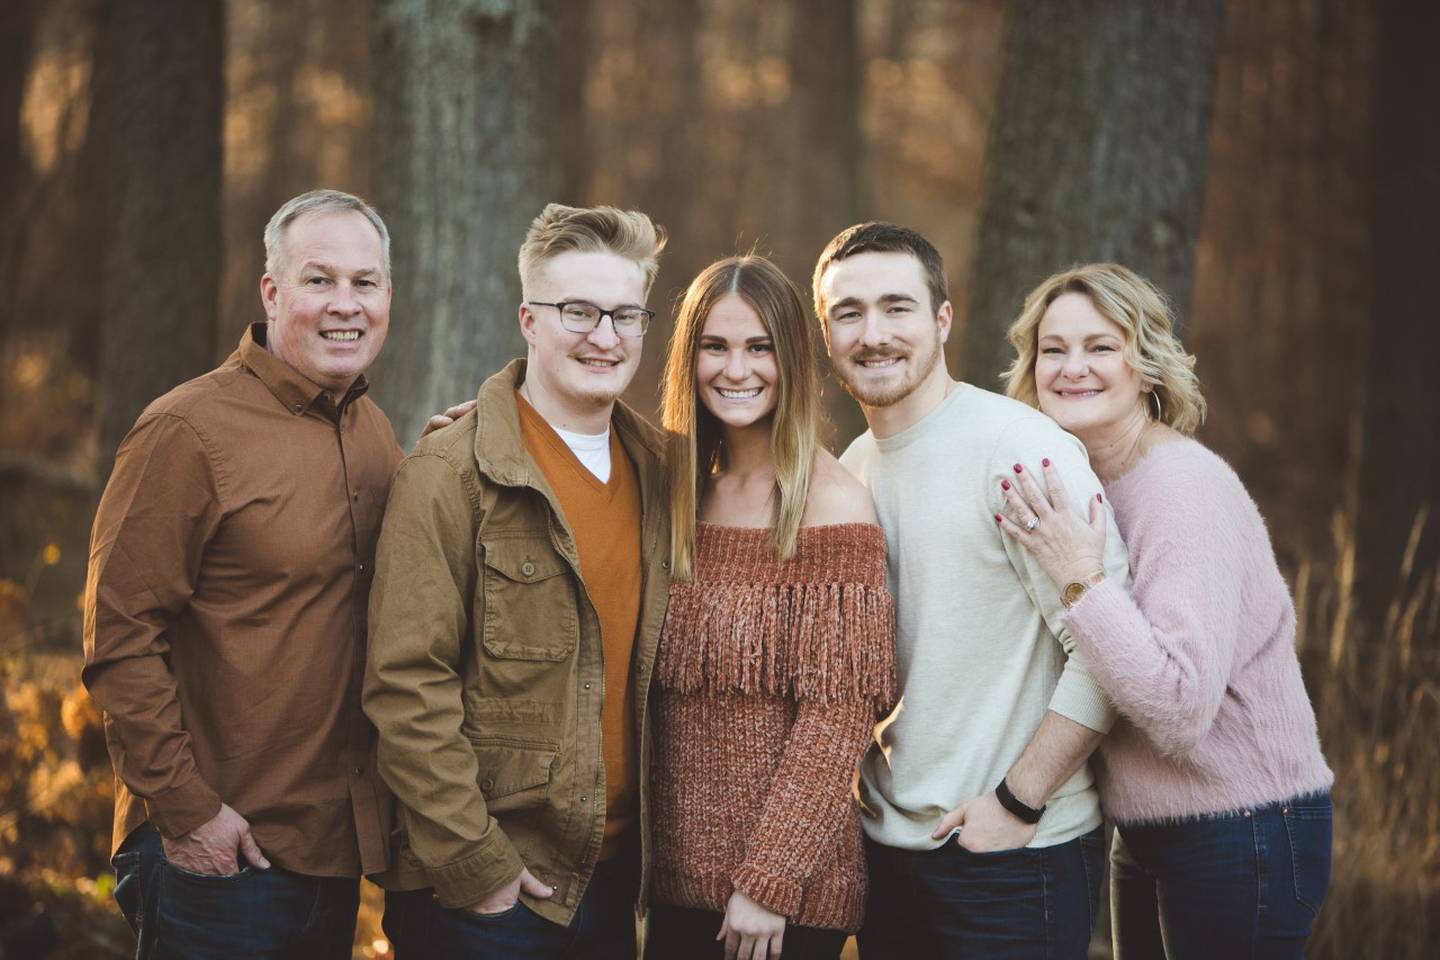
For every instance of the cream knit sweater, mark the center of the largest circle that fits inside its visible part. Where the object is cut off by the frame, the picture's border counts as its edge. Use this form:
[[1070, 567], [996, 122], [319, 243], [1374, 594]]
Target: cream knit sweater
[[981, 653]]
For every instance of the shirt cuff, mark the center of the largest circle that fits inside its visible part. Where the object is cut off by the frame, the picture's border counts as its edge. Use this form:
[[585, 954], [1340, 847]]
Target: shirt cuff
[[464, 883], [181, 809]]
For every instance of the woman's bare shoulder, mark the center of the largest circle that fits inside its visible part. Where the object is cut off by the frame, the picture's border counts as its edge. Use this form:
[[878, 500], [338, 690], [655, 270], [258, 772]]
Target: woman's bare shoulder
[[836, 496]]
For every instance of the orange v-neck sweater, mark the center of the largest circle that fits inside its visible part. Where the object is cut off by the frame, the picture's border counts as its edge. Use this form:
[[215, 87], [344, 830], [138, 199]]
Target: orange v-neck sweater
[[604, 518]]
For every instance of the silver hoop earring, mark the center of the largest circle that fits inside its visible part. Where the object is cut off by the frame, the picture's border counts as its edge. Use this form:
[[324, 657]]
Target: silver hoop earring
[[1155, 395]]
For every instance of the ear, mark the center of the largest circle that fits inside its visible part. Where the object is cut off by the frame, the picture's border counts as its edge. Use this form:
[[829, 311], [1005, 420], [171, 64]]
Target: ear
[[944, 317], [269, 296], [527, 323]]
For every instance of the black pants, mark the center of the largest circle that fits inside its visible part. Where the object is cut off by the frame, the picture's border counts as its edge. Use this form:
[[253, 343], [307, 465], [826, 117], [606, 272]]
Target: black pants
[[680, 933]]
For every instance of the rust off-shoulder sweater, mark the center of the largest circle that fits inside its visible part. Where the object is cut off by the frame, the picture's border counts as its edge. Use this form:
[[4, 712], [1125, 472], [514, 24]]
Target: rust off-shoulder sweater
[[769, 681]]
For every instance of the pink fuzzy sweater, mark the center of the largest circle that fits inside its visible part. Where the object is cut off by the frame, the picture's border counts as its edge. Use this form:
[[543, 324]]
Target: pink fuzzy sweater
[[1201, 663]]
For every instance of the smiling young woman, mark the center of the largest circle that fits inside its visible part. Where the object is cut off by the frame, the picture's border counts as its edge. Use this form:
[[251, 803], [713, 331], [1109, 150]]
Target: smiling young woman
[[776, 657]]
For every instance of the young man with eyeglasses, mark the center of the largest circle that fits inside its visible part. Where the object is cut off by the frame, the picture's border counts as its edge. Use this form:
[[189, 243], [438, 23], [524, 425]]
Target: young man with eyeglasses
[[520, 583]]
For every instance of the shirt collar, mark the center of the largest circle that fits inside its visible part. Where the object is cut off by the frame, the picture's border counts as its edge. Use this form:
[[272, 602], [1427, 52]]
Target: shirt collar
[[292, 388]]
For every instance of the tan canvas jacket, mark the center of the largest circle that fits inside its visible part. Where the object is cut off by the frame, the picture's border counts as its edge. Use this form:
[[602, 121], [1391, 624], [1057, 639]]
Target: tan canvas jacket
[[485, 672]]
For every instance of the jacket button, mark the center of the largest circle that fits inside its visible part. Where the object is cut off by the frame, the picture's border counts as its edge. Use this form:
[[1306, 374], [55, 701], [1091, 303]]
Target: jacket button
[[487, 784], [584, 799], [664, 564], [587, 686], [527, 568]]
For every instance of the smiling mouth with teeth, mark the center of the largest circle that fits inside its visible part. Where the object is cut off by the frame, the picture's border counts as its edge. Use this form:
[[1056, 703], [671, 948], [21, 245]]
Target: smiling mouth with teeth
[[738, 394], [603, 364], [340, 336]]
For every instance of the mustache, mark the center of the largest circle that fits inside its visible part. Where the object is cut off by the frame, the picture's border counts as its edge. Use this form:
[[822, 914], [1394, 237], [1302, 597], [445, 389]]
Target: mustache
[[870, 353]]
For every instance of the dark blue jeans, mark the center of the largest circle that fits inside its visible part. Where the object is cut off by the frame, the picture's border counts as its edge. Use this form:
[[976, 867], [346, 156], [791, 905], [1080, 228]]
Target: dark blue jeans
[[271, 914], [690, 933], [1247, 884], [948, 903], [603, 927]]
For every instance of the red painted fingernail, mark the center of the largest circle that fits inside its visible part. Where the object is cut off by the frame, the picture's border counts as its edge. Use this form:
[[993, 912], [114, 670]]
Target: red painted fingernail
[[1018, 468], [1045, 462], [1004, 484], [1099, 499], [997, 518]]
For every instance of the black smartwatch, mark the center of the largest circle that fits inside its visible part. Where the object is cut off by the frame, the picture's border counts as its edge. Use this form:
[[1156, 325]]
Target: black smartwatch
[[1017, 806]]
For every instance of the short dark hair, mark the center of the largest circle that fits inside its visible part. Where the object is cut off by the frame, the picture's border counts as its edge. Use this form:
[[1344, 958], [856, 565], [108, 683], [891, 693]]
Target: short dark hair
[[880, 237]]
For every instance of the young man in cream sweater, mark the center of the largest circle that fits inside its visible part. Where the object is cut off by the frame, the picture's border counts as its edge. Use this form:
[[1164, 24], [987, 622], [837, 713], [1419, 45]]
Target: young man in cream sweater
[[984, 838]]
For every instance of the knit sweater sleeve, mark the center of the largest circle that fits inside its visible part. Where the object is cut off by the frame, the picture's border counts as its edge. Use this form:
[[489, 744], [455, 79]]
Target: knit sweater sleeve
[[811, 790], [1166, 655], [1078, 695]]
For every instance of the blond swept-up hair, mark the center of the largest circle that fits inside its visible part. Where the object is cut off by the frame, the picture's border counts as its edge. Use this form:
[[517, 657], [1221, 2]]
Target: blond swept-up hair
[[1152, 349], [318, 201], [559, 229], [697, 446]]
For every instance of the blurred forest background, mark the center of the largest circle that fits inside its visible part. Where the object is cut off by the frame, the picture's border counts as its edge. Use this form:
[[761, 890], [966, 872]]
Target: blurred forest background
[[1273, 164]]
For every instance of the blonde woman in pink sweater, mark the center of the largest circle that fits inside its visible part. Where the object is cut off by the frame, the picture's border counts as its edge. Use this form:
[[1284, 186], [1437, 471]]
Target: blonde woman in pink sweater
[[1214, 776]]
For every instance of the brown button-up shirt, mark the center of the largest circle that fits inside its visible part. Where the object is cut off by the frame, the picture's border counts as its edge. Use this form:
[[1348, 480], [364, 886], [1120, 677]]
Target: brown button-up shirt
[[230, 564]]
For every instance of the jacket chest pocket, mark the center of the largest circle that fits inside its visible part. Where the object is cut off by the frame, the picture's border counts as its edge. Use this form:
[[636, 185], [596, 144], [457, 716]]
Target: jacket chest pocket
[[530, 611]]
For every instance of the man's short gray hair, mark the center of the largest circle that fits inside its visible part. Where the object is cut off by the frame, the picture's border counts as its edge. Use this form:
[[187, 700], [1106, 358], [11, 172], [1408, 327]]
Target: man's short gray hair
[[318, 201]]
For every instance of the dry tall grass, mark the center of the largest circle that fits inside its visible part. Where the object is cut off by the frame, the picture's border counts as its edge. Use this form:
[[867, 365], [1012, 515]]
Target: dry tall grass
[[1377, 697]]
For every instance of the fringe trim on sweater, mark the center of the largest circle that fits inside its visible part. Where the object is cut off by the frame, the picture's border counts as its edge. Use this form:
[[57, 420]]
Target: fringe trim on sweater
[[750, 624]]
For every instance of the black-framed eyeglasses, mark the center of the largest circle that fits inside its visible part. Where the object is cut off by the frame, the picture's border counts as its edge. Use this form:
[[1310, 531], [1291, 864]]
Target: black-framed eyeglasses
[[581, 316]]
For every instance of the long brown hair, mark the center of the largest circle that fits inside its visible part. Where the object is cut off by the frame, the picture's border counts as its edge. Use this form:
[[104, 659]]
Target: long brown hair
[[696, 441]]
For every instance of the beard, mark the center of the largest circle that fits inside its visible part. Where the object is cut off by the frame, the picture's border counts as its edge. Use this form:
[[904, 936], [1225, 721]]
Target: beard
[[918, 367]]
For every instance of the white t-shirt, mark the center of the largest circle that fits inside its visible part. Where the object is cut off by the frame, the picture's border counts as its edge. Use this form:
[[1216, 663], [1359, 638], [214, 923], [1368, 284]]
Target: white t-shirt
[[593, 450]]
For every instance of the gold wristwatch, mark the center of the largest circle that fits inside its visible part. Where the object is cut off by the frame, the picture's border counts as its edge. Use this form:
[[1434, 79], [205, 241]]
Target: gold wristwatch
[[1075, 589]]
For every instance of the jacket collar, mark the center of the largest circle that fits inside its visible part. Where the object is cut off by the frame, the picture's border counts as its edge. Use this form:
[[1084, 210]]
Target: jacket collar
[[294, 390], [500, 449]]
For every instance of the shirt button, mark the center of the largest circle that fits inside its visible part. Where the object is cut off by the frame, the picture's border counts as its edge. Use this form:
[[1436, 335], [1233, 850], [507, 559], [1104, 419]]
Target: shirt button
[[362, 568], [487, 784], [355, 495], [527, 568], [664, 564], [587, 686], [584, 799], [355, 770]]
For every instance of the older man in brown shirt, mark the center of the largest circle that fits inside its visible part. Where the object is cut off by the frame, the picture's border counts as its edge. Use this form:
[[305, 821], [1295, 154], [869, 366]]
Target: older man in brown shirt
[[230, 566]]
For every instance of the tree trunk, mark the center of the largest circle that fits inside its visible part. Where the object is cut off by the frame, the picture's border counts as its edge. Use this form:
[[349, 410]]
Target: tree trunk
[[1400, 470], [158, 95], [1097, 153], [18, 20], [465, 158], [820, 119]]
